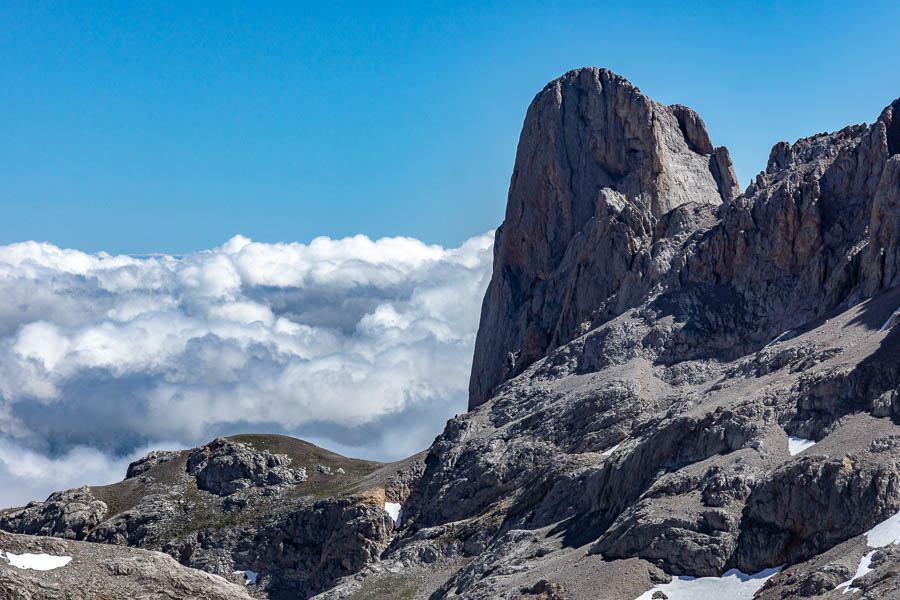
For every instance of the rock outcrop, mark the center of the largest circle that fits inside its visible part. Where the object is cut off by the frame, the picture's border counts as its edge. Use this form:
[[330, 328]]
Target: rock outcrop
[[145, 463], [224, 467], [70, 514], [599, 166]]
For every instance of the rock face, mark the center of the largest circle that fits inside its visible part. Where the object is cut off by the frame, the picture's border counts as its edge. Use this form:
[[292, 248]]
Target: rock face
[[598, 167], [647, 347], [608, 184], [223, 467]]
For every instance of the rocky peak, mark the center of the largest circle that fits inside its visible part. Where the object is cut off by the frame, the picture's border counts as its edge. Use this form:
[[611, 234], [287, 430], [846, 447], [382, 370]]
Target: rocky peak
[[598, 168], [224, 467]]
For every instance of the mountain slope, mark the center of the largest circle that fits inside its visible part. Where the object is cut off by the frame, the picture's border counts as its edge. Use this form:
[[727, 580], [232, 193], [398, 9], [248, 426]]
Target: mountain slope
[[294, 514]]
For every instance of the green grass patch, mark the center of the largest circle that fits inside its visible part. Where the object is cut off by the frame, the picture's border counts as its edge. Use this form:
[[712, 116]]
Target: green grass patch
[[127, 494]]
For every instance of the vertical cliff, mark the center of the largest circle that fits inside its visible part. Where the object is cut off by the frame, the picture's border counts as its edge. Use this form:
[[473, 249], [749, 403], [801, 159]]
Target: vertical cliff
[[598, 168]]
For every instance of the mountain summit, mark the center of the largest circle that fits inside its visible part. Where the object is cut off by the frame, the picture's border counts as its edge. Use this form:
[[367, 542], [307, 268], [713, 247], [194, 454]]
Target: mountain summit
[[598, 168]]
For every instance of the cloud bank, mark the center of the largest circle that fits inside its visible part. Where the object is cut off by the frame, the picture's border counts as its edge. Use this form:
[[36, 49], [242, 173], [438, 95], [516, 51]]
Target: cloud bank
[[361, 346]]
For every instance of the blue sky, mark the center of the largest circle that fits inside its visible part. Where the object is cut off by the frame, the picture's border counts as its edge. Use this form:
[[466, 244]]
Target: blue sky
[[163, 127]]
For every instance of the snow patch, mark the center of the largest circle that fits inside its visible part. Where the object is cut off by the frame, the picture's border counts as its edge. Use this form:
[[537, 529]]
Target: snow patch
[[884, 534], [609, 451], [249, 576], [892, 320], [37, 562], [861, 570], [733, 585], [778, 339], [796, 445], [396, 511]]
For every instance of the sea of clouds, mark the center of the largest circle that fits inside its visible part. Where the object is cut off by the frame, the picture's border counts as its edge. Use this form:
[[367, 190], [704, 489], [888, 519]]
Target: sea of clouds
[[361, 346]]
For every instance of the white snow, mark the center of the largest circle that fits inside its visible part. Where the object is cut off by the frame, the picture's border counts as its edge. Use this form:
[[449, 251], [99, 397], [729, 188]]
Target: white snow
[[37, 562], [732, 585], [861, 570], [609, 451], [797, 445], [249, 575], [778, 339], [892, 320], [395, 510], [884, 534]]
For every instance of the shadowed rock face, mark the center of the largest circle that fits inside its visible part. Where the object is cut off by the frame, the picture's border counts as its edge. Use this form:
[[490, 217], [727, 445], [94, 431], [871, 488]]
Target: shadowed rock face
[[598, 167], [891, 117]]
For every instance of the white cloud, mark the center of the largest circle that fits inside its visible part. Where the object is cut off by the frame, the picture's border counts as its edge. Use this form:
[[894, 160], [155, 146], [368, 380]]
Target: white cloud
[[358, 344], [29, 475]]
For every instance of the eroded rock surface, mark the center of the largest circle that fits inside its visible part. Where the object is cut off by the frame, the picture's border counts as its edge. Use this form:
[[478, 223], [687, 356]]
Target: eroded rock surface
[[97, 571], [599, 166], [223, 467], [71, 514]]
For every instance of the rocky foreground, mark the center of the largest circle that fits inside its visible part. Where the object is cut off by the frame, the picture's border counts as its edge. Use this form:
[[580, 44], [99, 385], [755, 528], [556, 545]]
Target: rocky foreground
[[671, 378], [100, 572]]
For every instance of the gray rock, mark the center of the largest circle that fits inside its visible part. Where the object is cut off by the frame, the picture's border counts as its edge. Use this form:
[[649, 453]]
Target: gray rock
[[638, 368], [139, 525], [223, 467], [597, 168], [810, 505], [70, 514], [100, 571], [156, 457]]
